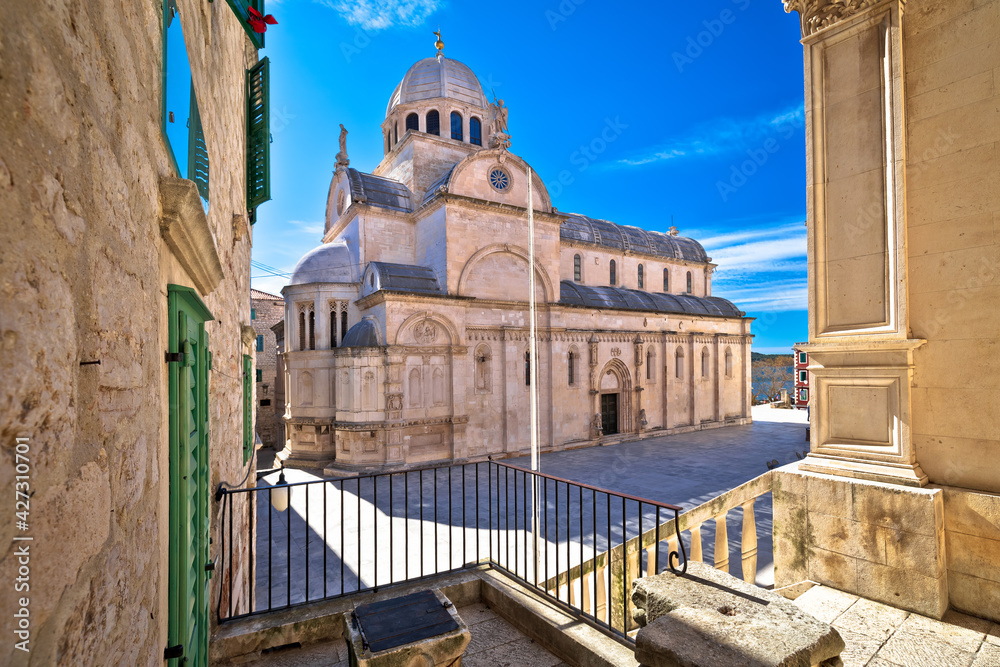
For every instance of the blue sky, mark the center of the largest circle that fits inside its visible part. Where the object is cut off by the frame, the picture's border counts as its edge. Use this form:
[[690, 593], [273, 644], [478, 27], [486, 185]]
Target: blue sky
[[701, 101]]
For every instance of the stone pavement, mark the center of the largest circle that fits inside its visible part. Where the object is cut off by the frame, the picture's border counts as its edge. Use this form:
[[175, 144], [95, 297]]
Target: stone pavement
[[878, 635], [495, 643], [330, 534]]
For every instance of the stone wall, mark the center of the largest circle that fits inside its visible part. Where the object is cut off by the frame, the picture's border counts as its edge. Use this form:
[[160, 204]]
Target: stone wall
[[83, 279], [953, 209], [879, 541], [268, 310]]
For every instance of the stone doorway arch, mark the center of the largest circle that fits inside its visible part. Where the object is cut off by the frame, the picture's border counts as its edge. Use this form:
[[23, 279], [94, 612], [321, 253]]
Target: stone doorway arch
[[615, 379]]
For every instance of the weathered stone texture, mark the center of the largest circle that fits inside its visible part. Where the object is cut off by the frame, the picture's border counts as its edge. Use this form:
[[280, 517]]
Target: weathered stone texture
[[881, 541], [83, 274], [268, 310]]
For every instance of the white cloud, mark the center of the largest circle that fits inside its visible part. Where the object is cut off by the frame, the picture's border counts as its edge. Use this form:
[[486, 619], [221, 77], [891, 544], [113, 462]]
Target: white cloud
[[304, 227], [382, 14], [722, 135]]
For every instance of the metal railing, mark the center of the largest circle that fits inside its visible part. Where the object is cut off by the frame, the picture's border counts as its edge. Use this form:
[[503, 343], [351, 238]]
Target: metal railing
[[342, 536]]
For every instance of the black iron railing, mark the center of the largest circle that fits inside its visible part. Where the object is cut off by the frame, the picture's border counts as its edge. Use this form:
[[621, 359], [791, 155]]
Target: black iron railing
[[341, 536]]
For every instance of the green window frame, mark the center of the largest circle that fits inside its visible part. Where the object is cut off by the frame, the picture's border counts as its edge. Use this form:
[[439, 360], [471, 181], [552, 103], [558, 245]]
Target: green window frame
[[188, 392], [260, 343], [260, 375], [253, 313], [258, 135], [247, 408], [240, 8]]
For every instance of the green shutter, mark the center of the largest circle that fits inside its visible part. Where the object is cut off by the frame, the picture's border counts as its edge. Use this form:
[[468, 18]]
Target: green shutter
[[239, 8], [197, 149], [247, 408], [188, 594], [258, 136]]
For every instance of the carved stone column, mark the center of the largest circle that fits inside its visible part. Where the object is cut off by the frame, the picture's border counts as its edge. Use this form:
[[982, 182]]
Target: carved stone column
[[860, 352]]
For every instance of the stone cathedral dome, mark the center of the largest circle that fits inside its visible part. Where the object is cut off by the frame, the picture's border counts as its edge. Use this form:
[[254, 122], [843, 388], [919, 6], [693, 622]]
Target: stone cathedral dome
[[438, 77]]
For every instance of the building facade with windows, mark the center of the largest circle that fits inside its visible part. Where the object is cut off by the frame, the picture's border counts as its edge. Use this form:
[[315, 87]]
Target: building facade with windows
[[133, 161], [800, 367], [266, 310], [406, 331]]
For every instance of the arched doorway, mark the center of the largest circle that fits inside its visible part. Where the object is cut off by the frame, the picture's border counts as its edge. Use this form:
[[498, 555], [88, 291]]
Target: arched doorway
[[615, 398]]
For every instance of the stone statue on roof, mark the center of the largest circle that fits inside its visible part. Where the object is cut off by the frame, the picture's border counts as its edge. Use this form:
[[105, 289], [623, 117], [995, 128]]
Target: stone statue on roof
[[342, 159], [498, 125]]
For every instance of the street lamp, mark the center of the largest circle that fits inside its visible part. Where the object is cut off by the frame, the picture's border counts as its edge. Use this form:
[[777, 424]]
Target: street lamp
[[281, 493]]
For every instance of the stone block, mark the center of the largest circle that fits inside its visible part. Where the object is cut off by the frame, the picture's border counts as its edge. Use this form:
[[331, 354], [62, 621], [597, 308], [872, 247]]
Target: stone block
[[897, 507], [972, 513], [871, 619], [707, 617], [903, 588], [833, 569], [977, 556], [974, 595], [829, 495]]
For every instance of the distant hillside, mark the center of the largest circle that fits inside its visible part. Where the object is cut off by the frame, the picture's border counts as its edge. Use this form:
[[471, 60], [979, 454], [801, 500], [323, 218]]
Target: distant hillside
[[771, 359]]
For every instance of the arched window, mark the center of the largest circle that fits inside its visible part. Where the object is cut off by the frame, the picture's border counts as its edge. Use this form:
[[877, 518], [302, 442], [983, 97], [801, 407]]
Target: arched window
[[614, 277], [395, 134], [679, 363], [704, 362], [666, 280], [312, 330], [343, 325], [577, 268], [475, 131], [388, 142], [333, 329], [640, 276], [412, 122], [456, 126], [571, 367], [650, 365], [527, 369], [689, 282], [302, 331], [729, 363], [433, 122]]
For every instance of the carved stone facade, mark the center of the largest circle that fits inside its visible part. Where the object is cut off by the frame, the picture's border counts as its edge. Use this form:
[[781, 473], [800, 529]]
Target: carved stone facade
[[902, 140], [428, 258]]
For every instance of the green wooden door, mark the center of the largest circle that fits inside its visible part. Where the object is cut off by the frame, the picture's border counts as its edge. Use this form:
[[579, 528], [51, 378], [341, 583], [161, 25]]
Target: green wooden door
[[189, 553]]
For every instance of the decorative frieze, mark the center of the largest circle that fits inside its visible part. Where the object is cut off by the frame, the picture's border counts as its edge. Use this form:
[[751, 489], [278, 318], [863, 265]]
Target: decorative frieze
[[814, 15]]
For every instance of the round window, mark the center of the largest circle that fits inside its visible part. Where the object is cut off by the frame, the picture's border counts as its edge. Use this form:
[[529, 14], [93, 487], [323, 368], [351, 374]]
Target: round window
[[500, 179]]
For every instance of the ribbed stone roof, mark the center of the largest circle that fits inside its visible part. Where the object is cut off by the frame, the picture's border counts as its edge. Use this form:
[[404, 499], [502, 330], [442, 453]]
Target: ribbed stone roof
[[406, 278], [438, 77], [626, 238], [362, 334], [378, 191], [574, 294]]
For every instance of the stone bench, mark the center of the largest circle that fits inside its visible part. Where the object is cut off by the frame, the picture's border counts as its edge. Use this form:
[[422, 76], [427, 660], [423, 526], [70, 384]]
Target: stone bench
[[707, 618]]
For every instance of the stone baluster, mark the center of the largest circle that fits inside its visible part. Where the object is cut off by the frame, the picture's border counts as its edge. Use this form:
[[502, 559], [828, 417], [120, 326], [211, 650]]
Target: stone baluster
[[601, 603], [696, 543], [749, 543], [586, 604], [721, 543], [651, 559]]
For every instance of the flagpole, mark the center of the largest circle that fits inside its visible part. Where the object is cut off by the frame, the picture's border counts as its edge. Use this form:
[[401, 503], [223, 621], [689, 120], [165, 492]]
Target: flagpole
[[533, 368]]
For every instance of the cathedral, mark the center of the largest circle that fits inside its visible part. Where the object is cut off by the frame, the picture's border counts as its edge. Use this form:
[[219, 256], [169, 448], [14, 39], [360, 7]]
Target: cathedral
[[406, 331]]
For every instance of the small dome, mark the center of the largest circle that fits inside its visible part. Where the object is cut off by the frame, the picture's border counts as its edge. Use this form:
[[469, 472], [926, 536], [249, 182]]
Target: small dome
[[329, 263], [362, 334], [438, 77]]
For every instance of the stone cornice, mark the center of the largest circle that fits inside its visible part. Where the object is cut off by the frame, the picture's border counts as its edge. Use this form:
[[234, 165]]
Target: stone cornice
[[184, 226], [815, 15]]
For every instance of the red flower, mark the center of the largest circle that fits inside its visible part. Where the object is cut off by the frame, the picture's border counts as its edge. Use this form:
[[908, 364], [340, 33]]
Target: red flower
[[258, 21]]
